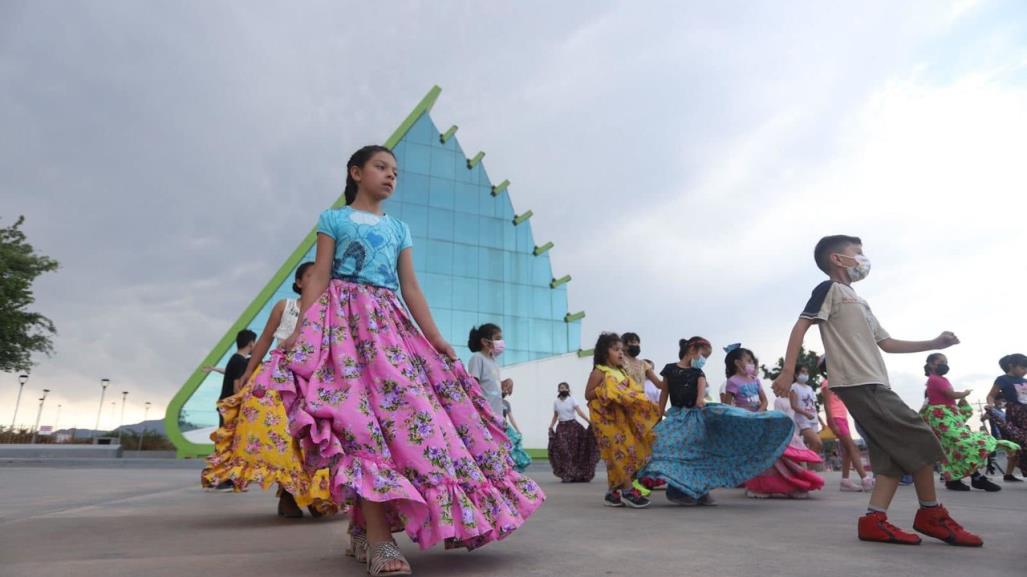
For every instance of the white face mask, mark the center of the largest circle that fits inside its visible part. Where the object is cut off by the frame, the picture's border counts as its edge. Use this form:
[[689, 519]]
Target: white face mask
[[860, 270], [802, 378]]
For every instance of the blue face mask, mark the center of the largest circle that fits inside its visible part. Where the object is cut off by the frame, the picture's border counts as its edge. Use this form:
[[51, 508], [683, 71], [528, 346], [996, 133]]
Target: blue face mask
[[698, 362]]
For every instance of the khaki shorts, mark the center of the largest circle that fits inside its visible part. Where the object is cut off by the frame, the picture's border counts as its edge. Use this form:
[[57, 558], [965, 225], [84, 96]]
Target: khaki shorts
[[898, 438]]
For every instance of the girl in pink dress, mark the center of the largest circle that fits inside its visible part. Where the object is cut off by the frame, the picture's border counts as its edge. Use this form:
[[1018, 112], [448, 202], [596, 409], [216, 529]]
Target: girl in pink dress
[[407, 435]]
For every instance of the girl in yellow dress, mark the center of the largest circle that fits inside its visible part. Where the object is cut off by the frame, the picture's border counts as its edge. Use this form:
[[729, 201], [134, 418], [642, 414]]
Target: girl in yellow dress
[[622, 419], [254, 444]]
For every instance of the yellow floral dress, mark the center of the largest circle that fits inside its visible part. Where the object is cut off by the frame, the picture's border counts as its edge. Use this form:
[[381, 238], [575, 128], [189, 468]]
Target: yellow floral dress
[[254, 446], [622, 419]]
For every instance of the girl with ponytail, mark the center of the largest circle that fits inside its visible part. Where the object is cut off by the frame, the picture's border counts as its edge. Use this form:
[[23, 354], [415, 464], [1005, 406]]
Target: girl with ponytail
[[375, 394]]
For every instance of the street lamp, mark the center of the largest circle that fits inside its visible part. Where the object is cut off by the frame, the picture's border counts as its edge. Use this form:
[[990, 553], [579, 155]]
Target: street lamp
[[22, 379], [121, 425], [35, 430], [58, 419], [104, 383], [146, 412]]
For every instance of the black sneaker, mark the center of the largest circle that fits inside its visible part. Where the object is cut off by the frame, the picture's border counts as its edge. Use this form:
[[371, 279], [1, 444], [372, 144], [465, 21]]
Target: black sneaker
[[680, 498], [634, 499], [956, 486], [1012, 479], [985, 484], [613, 499], [225, 486]]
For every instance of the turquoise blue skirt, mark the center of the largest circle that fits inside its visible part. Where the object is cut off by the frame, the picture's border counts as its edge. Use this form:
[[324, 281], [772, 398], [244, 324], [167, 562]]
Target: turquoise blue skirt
[[521, 458], [697, 450]]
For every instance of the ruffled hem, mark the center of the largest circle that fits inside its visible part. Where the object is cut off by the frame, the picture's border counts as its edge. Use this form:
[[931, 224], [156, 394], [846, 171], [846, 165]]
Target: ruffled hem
[[224, 465]]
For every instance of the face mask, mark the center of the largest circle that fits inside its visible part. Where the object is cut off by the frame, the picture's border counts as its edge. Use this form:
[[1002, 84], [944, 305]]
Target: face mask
[[634, 350], [941, 370], [803, 379], [498, 346], [698, 362], [564, 394], [860, 270], [750, 370]]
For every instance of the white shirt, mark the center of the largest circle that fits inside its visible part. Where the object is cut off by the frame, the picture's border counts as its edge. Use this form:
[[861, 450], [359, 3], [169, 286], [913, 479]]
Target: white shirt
[[290, 316], [807, 402], [564, 408]]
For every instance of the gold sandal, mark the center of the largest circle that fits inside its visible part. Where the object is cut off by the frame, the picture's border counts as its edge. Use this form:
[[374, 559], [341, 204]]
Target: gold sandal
[[380, 555]]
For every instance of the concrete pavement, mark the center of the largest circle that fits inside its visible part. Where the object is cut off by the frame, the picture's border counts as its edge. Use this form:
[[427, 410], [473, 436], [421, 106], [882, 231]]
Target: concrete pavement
[[146, 521]]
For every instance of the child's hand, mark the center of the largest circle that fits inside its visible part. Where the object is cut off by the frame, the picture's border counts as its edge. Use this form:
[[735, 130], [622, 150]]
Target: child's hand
[[783, 383], [946, 340], [444, 347], [700, 403]]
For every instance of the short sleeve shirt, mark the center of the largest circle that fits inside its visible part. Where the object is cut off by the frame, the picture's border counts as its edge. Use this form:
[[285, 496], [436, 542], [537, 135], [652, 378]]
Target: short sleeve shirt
[[682, 384], [233, 370], [746, 392], [367, 245], [936, 388], [486, 370], [850, 333], [564, 408], [1014, 389]]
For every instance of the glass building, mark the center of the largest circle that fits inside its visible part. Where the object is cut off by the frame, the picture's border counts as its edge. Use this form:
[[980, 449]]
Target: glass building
[[476, 259]]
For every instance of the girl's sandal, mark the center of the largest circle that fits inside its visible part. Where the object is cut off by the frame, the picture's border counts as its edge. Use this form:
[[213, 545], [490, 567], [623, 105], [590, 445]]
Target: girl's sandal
[[357, 547], [380, 555]]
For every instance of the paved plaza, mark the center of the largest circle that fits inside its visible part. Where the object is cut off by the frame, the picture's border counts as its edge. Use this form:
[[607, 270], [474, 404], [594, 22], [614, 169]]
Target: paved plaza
[[141, 519]]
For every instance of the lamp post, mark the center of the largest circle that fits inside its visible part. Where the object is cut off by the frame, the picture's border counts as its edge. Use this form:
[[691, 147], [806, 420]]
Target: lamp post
[[146, 413], [58, 419], [22, 379], [35, 429], [121, 425], [104, 383]]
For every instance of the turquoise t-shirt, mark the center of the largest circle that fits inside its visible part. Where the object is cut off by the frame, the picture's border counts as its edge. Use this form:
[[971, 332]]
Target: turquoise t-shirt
[[367, 246]]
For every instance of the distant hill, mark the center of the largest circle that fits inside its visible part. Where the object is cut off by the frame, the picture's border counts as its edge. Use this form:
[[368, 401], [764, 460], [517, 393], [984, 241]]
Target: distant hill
[[151, 426]]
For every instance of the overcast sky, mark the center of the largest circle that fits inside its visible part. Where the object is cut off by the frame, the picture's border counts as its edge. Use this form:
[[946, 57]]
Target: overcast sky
[[684, 158]]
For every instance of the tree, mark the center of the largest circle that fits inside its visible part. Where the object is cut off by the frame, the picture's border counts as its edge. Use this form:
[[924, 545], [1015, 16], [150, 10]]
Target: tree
[[22, 332], [807, 359]]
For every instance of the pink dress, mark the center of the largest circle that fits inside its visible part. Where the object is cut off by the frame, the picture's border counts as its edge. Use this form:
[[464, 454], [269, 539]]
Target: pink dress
[[394, 421], [787, 476]]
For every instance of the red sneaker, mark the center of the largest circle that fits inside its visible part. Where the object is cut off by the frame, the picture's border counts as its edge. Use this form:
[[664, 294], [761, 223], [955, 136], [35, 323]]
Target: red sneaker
[[875, 527], [935, 522]]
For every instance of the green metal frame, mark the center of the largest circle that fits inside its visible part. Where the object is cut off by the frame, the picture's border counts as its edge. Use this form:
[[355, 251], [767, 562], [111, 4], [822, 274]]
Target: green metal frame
[[539, 250], [523, 217], [185, 448], [560, 281], [570, 318], [582, 353], [472, 162], [499, 188], [448, 134]]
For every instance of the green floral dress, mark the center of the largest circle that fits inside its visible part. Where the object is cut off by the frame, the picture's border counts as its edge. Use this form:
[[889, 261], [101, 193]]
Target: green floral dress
[[966, 451]]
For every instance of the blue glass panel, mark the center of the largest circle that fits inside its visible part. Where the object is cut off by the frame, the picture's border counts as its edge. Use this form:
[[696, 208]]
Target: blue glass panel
[[438, 289], [490, 297], [560, 302], [440, 257], [465, 260], [423, 131], [541, 336], [466, 198], [466, 229], [420, 254], [542, 306], [522, 300], [490, 232], [412, 188], [525, 241], [440, 193], [440, 224], [523, 267], [490, 264], [418, 159], [574, 336], [521, 330], [505, 208], [443, 163], [463, 321], [559, 337], [483, 176], [465, 295], [443, 320], [400, 151], [486, 202], [542, 273], [464, 174], [510, 235], [416, 217], [393, 207]]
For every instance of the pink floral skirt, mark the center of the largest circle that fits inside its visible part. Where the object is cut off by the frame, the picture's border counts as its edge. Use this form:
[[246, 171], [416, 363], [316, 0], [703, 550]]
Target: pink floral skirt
[[394, 421], [787, 475]]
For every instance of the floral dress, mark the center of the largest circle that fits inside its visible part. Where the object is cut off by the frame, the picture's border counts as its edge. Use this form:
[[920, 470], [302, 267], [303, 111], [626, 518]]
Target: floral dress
[[966, 451], [622, 419]]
